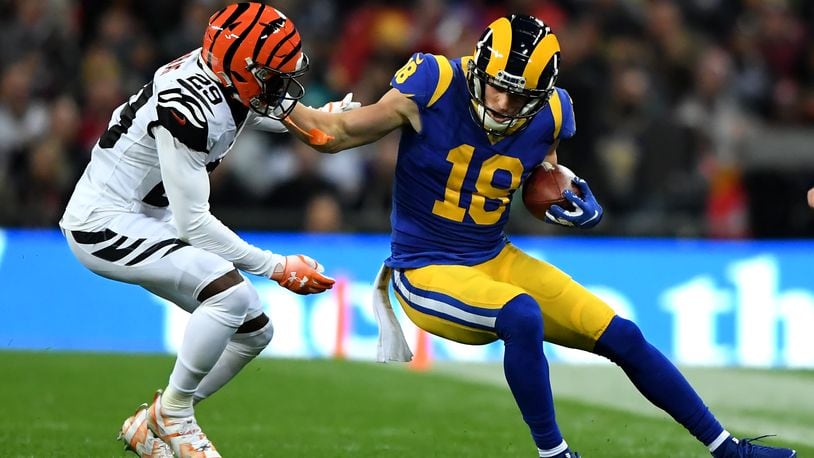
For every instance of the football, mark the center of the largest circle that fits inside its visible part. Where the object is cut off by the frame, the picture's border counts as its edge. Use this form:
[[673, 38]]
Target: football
[[544, 186]]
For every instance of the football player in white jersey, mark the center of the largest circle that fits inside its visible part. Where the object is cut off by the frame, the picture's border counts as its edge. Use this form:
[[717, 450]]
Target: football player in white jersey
[[140, 212]]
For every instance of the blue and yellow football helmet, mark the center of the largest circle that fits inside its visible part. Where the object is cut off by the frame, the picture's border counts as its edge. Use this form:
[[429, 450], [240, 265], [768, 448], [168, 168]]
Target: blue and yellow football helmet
[[518, 54]]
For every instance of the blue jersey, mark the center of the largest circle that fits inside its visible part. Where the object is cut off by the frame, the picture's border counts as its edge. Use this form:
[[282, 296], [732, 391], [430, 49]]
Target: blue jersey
[[452, 185]]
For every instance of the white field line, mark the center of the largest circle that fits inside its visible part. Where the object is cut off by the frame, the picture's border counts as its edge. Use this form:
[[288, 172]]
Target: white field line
[[749, 402]]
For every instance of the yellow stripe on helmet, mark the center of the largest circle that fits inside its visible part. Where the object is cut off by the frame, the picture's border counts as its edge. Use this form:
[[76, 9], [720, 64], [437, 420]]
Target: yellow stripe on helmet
[[501, 45], [538, 60], [444, 78]]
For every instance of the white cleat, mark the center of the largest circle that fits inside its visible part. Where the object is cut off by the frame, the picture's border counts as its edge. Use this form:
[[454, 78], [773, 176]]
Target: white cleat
[[138, 438], [182, 433]]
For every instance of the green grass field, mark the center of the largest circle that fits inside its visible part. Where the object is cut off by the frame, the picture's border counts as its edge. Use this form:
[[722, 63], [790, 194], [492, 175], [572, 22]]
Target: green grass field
[[68, 404]]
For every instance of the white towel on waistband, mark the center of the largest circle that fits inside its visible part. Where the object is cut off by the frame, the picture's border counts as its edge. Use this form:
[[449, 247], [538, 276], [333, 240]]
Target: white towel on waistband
[[392, 345]]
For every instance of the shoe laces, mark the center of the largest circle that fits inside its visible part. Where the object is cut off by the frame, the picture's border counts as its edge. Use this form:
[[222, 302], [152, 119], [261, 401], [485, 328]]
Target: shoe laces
[[747, 447], [190, 428], [748, 442]]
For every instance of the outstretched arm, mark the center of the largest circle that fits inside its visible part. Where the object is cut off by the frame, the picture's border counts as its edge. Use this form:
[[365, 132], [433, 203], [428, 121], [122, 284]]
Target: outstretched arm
[[356, 127], [183, 173]]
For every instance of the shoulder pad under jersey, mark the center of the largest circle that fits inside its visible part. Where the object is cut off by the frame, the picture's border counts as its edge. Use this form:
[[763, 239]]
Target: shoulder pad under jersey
[[424, 78], [562, 110]]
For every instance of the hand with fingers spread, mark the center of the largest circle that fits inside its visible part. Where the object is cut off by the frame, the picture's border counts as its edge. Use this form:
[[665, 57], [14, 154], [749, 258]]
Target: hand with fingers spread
[[302, 275], [586, 214]]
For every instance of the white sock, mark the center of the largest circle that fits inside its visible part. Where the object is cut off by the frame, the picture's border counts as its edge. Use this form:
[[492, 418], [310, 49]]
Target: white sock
[[176, 403], [208, 331], [553, 451], [720, 440], [241, 349]]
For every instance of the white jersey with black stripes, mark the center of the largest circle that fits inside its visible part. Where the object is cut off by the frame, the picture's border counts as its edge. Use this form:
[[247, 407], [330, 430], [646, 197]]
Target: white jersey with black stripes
[[151, 166], [124, 173]]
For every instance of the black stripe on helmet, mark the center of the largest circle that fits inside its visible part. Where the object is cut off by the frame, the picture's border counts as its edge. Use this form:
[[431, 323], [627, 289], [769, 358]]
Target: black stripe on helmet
[[550, 71], [230, 53], [485, 53], [278, 46], [268, 30], [524, 42], [291, 55], [217, 14], [240, 8]]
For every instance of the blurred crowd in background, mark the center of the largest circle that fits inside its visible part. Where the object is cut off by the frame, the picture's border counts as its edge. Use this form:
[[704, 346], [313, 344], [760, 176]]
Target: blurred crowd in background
[[695, 118]]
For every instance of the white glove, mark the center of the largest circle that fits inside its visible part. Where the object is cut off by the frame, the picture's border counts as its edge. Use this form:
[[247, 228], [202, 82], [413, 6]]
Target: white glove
[[346, 104]]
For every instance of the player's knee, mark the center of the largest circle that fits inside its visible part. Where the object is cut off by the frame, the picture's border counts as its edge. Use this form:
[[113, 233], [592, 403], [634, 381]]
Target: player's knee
[[520, 318], [252, 342], [620, 341], [229, 307]]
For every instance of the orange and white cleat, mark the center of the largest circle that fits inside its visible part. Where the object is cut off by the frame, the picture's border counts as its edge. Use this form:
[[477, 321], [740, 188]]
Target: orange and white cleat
[[139, 439], [182, 433]]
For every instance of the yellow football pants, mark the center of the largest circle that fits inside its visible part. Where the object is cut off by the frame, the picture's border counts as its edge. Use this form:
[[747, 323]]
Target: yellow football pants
[[461, 303]]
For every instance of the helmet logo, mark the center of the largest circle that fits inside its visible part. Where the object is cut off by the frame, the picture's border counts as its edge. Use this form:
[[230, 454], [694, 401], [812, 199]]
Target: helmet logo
[[510, 80]]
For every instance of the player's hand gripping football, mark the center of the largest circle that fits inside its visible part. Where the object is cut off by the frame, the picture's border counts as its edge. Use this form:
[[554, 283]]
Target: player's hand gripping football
[[586, 214], [302, 275]]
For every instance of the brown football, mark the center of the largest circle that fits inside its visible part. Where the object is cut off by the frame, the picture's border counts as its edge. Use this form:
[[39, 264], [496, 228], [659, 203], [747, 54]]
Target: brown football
[[544, 186]]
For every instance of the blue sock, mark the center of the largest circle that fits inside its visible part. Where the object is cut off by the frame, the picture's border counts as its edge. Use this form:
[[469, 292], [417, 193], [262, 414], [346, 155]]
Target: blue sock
[[520, 325], [657, 378]]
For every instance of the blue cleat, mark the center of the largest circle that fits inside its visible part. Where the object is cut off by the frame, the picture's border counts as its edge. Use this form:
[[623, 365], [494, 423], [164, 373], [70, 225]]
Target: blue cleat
[[745, 448], [568, 454]]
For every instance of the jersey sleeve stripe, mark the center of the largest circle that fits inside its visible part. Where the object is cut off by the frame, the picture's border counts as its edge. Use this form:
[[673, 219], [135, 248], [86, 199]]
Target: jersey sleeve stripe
[[196, 94], [444, 78], [502, 45], [540, 57], [185, 105], [556, 112]]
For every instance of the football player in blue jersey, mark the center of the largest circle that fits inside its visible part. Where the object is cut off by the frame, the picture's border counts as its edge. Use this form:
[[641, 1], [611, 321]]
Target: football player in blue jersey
[[472, 130]]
